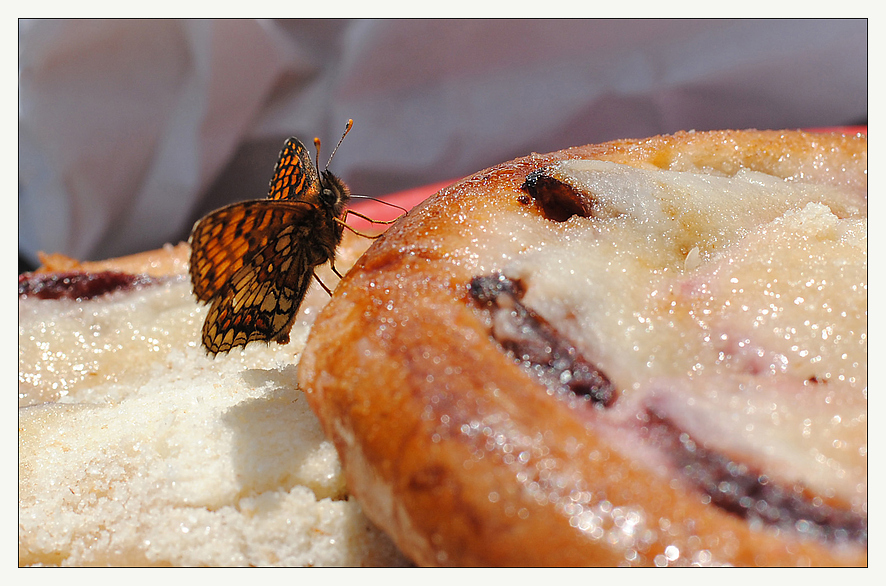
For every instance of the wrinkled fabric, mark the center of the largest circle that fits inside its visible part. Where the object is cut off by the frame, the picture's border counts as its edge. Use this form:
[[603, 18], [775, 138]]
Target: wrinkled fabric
[[129, 131]]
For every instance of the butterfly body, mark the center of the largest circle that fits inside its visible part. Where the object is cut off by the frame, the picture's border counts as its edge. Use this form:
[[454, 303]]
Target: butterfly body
[[253, 261]]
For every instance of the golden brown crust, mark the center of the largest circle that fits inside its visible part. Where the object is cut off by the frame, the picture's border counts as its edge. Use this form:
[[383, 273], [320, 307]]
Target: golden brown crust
[[459, 455], [166, 261]]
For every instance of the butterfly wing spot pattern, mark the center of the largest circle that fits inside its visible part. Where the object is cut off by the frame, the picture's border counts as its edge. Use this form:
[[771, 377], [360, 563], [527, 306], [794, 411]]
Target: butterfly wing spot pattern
[[252, 261], [295, 174]]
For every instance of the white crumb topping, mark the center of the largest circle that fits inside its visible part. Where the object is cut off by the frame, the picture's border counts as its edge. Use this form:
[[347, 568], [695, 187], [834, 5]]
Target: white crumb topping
[[152, 453]]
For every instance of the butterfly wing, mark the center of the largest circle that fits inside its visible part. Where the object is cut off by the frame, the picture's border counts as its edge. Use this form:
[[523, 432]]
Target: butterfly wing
[[295, 176], [253, 264], [224, 240], [260, 304]]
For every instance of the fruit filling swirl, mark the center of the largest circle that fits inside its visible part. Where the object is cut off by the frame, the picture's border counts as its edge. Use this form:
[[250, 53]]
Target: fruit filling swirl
[[734, 486], [535, 343], [77, 285], [743, 490]]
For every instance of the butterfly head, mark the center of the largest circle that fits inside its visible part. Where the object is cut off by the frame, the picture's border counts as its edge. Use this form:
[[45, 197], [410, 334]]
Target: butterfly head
[[334, 194]]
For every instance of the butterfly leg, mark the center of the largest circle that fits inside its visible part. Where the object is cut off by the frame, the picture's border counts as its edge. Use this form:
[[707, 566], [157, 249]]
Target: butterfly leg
[[355, 231], [325, 288], [368, 219]]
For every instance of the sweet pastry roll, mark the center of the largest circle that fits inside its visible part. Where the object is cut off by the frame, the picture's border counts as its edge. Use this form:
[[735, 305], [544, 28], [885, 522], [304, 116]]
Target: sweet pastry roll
[[644, 352]]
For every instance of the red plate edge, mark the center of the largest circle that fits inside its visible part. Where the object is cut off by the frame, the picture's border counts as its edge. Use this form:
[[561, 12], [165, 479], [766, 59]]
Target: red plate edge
[[412, 197]]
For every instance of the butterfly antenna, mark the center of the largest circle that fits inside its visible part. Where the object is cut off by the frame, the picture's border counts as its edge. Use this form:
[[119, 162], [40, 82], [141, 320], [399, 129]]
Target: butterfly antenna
[[347, 130], [317, 146]]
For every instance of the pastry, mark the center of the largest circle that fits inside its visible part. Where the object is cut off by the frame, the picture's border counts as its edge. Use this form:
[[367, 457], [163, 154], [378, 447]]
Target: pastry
[[644, 352], [136, 448]]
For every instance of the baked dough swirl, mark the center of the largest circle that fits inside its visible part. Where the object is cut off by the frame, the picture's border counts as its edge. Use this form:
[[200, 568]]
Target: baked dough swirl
[[644, 352]]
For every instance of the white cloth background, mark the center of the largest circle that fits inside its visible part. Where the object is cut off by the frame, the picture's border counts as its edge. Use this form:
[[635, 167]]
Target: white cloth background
[[130, 130]]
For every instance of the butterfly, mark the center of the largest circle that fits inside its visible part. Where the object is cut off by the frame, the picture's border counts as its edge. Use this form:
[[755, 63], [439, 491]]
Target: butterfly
[[253, 261]]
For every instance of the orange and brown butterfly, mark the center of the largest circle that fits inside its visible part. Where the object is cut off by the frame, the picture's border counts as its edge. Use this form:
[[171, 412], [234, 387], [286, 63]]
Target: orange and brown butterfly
[[253, 260]]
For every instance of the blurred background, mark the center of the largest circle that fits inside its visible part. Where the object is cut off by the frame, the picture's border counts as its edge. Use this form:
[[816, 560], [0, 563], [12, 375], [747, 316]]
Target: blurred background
[[130, 130]]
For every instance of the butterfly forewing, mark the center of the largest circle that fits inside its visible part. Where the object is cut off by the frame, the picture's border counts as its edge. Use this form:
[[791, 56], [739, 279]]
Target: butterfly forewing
[[295, 176], [222, 241]]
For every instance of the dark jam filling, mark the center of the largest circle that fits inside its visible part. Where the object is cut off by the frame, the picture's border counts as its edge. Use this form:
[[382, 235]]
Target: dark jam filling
[[558, 201], [78, 285], [740, 489], [731, 485], [538, 347]]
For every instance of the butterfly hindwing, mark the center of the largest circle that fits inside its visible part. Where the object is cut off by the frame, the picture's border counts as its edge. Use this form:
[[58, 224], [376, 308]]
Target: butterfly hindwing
[[295, 176], [261, 299]]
